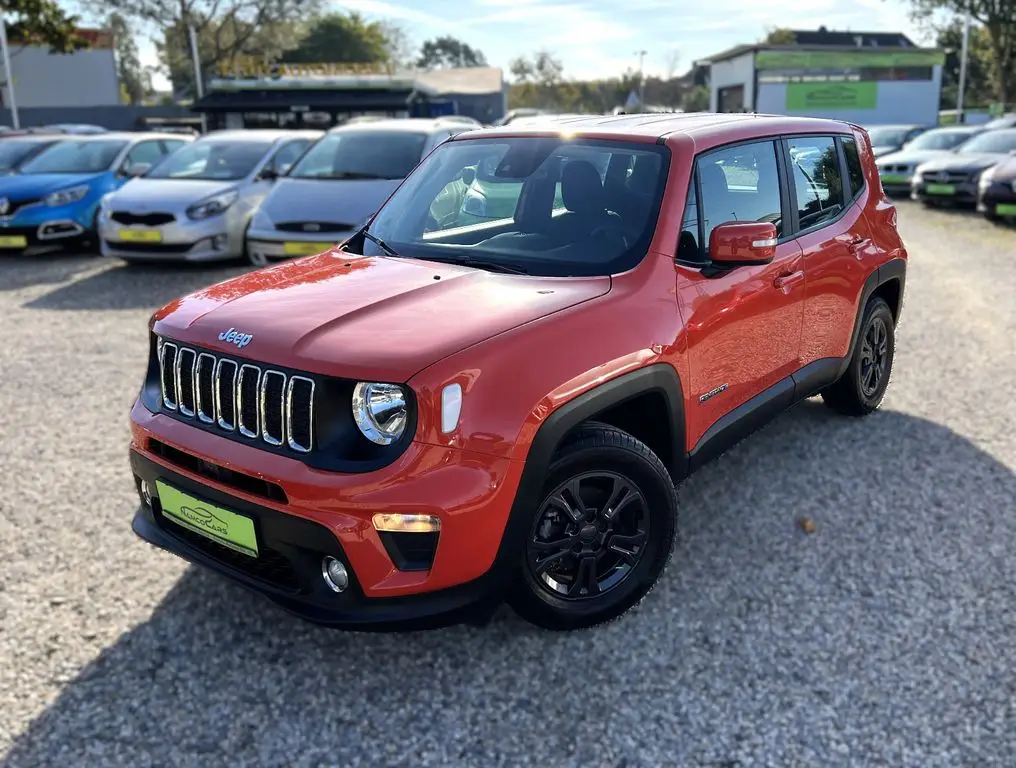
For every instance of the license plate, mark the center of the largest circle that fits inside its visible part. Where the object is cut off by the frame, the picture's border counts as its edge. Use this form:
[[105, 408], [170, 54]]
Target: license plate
[[140, 235], [305, 249], [218, 524], [1005, 209], [13, 241], [940, 189], [894, 178]]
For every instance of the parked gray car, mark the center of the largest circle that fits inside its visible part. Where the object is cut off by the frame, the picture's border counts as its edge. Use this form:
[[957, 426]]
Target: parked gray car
[[196, 204], [339, 183]]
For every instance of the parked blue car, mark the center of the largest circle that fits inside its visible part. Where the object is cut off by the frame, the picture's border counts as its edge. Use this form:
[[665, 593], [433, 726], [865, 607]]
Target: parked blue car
[[53, 200]]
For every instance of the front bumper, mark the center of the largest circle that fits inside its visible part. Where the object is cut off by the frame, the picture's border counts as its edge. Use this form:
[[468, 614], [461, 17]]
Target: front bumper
[[896, 183], [329, 513], [42, 225], [211, 239], [274, 244], [998, 200], [962, 193]]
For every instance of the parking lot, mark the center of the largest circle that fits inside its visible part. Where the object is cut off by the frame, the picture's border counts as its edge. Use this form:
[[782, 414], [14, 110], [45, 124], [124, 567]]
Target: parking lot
[[887, 636]]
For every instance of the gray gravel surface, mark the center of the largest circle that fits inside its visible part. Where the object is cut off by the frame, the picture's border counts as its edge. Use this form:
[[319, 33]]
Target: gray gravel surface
[[886, 637]]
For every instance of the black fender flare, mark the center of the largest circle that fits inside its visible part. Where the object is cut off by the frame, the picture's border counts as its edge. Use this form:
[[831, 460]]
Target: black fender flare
[[894, 269], [659, 378]]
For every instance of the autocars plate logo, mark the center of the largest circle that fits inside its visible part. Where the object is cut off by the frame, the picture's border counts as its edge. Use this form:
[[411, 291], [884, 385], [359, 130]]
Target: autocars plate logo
[[311, 227], [239, 338], [5, 205]]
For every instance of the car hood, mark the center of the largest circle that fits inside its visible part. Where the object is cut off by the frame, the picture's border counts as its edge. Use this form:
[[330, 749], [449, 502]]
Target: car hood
[[152, 193], [365, 318], [41, 184], [962, 162], [336, 201], [883, 149], [914, 157]]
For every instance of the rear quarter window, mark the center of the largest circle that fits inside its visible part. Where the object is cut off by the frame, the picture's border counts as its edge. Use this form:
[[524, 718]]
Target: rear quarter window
[[855, 174]]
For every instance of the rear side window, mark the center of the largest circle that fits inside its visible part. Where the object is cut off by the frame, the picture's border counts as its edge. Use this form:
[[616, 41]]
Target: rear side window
[[818, 184], [740, 183], [854, 173]]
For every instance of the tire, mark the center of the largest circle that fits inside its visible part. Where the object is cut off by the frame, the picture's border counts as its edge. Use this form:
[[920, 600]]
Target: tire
[[859, 391], [606, 463]]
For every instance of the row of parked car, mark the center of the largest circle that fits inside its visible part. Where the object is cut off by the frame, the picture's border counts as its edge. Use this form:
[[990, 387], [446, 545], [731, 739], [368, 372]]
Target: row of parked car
[[952, 165], [251, 194]]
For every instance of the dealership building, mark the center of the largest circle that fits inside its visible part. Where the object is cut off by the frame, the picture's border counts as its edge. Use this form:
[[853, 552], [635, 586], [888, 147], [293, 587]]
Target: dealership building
[[324, 95], [867, 78]]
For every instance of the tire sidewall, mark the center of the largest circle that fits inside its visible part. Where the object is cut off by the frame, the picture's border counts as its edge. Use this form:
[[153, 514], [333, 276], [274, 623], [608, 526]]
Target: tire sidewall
[[878, 309], [536, 603]]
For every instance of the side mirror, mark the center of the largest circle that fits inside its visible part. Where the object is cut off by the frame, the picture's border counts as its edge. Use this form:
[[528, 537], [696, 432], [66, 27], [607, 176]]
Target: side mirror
[[468, 175], [739, 243], [268, 174], [138, 169]]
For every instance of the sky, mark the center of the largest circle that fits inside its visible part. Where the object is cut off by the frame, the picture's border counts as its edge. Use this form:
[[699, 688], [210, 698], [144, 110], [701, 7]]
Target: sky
[[601, 38]]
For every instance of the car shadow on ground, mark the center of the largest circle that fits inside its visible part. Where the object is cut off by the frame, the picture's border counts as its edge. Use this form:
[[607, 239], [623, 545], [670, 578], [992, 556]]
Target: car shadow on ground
[[17, 272], [897, 501], [134, 287]]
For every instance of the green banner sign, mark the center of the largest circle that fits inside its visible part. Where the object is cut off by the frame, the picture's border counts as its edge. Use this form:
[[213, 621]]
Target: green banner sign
[[846, 59], [806, 97]]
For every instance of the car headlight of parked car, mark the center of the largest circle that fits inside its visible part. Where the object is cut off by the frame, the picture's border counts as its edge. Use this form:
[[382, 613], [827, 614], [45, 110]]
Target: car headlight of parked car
[[986, 179], [213, 206], [66, 196], [381, 411]]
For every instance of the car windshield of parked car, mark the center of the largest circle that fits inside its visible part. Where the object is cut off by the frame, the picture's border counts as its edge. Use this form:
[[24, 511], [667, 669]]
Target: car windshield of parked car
[[362, 154], [945, 139], [212, 160], [881, 137], [538, 205], [991, 142], [13, 152], [76, 156]]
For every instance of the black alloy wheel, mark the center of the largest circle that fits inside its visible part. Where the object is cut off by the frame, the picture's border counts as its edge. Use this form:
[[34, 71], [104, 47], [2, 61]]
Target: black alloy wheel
[[874, 356], [589, 535], [859, 391]]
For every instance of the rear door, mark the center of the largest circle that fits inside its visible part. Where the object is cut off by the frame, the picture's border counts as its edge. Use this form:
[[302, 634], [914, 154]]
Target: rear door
[[828, 216]]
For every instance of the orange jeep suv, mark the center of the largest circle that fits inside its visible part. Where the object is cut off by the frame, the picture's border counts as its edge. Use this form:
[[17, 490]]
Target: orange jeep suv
[[491, 390]]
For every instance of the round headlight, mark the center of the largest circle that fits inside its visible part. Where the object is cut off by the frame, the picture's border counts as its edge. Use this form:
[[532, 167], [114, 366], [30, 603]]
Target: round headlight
[[380, 411]]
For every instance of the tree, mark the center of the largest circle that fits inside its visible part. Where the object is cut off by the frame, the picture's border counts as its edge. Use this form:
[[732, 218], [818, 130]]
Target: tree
[[979, 89], [340, 39], [779, 36], [448, 51], [128, 64], [401, 54], [998, 18], [696, 99], [41, 22]]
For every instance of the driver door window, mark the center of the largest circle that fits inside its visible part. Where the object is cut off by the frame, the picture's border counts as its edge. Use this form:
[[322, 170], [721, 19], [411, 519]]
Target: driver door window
[[740, 183], [818, 181]]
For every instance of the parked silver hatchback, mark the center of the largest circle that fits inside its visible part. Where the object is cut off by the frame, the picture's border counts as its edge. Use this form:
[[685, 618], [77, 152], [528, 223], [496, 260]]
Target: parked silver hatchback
[[196, 204], [340, 182]]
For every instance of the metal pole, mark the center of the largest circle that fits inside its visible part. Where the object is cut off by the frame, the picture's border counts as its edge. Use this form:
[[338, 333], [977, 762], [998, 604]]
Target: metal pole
[[8, 74], [198, 85], [642, 80], [960, 117]]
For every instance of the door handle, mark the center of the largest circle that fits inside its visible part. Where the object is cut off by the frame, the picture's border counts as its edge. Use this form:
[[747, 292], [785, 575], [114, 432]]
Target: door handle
[[785, 281], [857, 243]]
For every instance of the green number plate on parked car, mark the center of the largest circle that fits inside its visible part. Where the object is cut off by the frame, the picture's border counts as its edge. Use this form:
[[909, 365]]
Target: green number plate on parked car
[[894, 178], [1005, 209], [940, 189], [218, 524]]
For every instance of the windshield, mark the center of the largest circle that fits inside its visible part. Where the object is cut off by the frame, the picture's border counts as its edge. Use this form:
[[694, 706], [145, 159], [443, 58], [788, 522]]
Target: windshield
[[992, 142], [543, 206], [211, 160], [363, 154], [13, 152], [886, 136], [76, 156], [939, 139]]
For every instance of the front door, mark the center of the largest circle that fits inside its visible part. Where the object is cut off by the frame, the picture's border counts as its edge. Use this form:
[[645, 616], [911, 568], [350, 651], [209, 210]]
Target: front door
[[744, 325]]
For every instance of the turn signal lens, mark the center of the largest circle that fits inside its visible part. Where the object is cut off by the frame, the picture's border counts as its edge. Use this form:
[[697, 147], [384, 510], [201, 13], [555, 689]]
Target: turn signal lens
[[451, 407], [392, 523]]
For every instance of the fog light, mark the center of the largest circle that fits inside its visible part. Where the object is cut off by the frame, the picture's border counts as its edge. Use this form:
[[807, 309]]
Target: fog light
[[334, 574], [219, 242], [146, 492], [407, 523]]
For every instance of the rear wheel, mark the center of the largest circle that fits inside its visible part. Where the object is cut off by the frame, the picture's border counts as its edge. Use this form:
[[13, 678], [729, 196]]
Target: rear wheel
[[860, 389], [601, 535]]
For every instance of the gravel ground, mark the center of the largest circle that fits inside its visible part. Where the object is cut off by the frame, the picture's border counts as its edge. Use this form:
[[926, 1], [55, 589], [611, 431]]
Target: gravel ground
[[886, 637]]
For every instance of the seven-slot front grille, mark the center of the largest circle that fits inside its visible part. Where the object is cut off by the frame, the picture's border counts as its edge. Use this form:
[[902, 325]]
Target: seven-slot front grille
[[262, 404]]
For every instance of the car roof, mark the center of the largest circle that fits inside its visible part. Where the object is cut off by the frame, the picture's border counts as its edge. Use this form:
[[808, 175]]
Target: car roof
[[259, 134], [895, 126], [408, 124], [113, 136], [704, 128]]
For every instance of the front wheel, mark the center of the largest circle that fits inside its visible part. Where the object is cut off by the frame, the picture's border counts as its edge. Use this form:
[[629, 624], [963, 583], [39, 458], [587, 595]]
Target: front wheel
[[860, 389], [601, 535]]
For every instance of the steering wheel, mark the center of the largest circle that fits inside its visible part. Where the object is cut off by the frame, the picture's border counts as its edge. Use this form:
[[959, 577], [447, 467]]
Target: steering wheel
[[605, 231]]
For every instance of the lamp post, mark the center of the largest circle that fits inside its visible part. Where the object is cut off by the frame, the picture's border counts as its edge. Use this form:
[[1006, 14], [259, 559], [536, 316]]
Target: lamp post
[[8, 75], [198, 85], [642, 79], [960, 117]]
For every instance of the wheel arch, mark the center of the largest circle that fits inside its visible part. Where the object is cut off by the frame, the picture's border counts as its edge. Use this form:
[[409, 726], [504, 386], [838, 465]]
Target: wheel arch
[[888, 282]]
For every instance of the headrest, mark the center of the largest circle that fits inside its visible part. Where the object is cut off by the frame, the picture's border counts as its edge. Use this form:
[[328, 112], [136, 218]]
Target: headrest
[[581, 187]]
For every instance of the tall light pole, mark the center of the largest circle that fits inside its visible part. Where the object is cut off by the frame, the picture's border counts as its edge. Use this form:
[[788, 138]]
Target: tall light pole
[[8, 75], [642, 79], [960, 117], [198, 85]]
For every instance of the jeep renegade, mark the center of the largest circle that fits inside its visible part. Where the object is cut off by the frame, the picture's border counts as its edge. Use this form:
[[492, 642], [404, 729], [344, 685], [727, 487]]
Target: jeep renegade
[[467, 403]]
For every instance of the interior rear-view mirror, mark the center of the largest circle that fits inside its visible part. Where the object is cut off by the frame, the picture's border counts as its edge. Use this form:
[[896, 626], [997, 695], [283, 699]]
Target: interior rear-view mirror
[[743, 242], [468, 175]]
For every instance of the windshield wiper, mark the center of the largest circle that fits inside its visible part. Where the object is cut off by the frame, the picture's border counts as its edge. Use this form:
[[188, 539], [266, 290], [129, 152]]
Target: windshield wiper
[[389, 251], [490, 266]]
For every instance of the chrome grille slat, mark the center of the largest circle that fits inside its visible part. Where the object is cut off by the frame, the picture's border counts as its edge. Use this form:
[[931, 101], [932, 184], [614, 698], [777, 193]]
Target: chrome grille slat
[[262, 404], [204, 397]]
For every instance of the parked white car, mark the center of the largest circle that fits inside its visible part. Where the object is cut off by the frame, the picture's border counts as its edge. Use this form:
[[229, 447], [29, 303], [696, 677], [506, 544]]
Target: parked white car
[[195, 205], [340, 182]]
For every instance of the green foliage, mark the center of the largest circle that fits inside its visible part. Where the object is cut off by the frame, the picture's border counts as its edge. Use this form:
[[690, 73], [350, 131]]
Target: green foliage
[[134, 85], [448, 51], [979, 88], [340, 39], [696, 99], [779, 36], [41, 22]]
